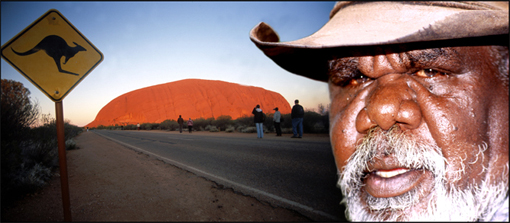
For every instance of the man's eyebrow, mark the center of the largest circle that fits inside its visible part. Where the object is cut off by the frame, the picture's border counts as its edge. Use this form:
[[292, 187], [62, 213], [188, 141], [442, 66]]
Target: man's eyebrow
[[345, 66], [433, 56]]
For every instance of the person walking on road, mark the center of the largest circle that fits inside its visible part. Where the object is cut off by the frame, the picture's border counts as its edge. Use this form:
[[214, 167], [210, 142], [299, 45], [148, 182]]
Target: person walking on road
[[259, 121], [277, 120], [181, 123], [190, 125], [297, 115]]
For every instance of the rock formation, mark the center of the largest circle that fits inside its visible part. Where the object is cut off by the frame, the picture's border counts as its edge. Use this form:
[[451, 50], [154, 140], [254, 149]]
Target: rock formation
[[191, 98]]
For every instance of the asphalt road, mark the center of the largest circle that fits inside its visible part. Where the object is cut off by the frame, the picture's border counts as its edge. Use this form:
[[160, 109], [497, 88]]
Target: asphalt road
[[299, 174]]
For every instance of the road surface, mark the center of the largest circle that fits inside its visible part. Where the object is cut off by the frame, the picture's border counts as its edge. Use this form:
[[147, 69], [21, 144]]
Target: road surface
[[299, 174]]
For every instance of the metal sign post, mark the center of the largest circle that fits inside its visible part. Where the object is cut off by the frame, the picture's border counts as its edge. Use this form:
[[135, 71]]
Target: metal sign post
[[53, 55]]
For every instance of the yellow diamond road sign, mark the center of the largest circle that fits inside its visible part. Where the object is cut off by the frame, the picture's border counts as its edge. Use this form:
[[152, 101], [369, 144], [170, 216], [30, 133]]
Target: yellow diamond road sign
[[52, 54]]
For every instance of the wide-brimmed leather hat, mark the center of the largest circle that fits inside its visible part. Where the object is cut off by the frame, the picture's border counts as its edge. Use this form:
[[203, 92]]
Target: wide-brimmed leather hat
[[369, 23]]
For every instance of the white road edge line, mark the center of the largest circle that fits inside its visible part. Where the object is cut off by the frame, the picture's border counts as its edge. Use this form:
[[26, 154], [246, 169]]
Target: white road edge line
[[183, 166]]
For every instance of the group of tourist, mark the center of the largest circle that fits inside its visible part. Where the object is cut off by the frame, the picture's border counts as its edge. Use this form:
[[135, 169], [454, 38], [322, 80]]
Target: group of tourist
[[296, 115]]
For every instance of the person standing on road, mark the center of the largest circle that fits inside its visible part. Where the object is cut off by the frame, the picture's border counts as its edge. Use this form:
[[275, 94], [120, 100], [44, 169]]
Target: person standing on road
[[297, 115], [190, 125], [259, 121], [138, 126], [181, 122], [277, 119]]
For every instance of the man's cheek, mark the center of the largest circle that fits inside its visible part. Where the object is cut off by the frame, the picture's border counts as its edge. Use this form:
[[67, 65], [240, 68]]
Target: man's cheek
[[342, 144], [343, 132]]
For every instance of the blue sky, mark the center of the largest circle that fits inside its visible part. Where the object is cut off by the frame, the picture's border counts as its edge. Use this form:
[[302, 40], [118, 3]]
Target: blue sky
[[150, 43]]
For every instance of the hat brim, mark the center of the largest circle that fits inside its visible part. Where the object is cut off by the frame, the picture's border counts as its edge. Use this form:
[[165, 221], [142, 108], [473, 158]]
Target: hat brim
[[376, 23]]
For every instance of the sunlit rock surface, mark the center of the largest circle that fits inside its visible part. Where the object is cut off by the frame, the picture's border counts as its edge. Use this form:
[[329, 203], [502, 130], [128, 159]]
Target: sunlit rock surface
[[191, 98]]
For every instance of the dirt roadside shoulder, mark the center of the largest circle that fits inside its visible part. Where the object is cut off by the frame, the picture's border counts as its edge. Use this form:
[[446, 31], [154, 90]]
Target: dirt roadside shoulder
[[109, 182]]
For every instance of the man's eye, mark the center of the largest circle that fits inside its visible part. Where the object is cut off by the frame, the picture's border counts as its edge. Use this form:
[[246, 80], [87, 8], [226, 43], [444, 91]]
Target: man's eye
[[360, 79], [349, 80], [429, 73]]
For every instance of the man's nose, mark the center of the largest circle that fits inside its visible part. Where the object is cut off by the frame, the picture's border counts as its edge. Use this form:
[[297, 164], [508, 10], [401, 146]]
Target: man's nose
[[391, 102]]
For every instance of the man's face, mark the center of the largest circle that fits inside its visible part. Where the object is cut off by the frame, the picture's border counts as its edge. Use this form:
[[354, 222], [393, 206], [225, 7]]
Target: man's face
[[415, 132]]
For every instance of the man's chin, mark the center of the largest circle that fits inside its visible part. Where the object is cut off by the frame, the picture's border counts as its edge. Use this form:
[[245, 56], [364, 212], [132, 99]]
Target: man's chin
[[398, 208]]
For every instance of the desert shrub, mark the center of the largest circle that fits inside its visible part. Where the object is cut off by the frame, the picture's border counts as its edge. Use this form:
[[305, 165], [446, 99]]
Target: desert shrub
[[32, 177], [29, 159], [130, 127], [249, 129], [240, 128], [146, 126], [18, 113], [309, 120], [211, 128], [287, 121], [201, 123], [169, 125], [223, 121], [230, 128], [269, 124], [71, 144], [245, 121], [287, 130]]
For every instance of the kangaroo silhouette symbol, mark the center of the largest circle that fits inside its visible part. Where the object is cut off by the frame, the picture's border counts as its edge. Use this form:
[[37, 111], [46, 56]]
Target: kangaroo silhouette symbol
[[55, 47]]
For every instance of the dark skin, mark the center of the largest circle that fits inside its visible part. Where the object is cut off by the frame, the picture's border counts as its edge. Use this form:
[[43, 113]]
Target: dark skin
[[449, 96]]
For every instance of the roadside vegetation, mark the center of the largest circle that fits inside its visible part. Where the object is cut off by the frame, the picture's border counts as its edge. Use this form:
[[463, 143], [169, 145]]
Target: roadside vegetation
[[29, 143], [313, 122]]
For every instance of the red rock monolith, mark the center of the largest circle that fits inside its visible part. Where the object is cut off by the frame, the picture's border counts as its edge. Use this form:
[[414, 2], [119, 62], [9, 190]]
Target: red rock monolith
[[191, 98]]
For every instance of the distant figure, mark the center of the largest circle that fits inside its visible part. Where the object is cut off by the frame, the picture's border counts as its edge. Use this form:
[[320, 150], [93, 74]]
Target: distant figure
[[297, 115], [259, 121], [87, 129], [277, 119], [190, 125], [181, 122], [138, 126]]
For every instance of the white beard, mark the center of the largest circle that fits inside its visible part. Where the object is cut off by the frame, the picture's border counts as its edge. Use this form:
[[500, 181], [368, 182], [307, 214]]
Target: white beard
[[475, 202]]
